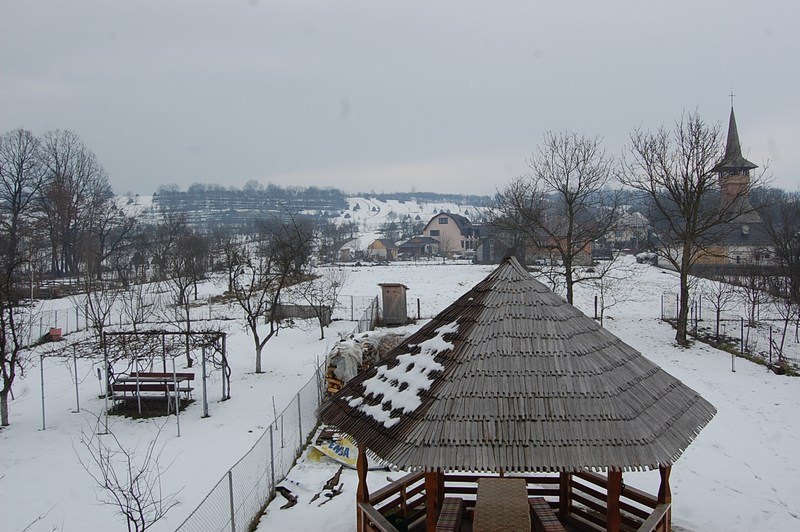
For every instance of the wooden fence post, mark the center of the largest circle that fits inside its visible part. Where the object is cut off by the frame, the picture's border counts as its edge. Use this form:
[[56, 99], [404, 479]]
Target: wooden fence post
[[614, 490]]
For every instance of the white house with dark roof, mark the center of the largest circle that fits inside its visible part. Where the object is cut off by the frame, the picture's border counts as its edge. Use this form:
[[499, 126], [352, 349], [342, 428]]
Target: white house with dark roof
[[455, 233]]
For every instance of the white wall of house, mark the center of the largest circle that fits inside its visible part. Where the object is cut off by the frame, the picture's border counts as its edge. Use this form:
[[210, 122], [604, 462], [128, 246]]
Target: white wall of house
[[444, 228]]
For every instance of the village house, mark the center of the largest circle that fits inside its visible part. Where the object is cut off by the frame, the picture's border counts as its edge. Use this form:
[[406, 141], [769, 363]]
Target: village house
[[455, 233], [382, 249], [630, 232], [419, 246]]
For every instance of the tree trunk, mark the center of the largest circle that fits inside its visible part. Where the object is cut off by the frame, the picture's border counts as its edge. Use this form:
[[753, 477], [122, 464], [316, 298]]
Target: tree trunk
[[683, 310], [259, 348], [4, 408], [189, 360], [569, 280]]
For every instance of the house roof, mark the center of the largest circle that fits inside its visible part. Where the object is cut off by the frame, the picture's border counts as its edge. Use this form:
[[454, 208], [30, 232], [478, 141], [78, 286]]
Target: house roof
[[385, 242], [463, 223], [418, 242], [511, 376], [733, 159]]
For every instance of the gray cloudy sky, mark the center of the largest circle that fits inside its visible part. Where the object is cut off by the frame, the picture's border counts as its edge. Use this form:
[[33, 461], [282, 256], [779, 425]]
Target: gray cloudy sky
[[386, 96]]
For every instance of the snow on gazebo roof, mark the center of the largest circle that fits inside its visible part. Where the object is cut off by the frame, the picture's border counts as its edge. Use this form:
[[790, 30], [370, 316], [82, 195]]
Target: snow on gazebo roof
[[512, 377]]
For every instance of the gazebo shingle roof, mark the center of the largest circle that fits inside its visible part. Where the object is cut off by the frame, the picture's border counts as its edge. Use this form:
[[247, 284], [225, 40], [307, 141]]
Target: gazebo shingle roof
[[512, 377]]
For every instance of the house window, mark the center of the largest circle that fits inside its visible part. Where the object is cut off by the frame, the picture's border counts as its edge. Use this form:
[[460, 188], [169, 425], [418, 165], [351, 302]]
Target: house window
[[443, 220], [434, 232]]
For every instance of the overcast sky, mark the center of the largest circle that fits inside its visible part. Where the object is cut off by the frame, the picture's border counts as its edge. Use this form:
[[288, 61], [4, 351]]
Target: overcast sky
[[446, 96]]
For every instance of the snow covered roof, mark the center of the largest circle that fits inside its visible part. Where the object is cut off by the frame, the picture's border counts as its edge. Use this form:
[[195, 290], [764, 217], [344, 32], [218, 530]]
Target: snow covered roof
[[511, 376]]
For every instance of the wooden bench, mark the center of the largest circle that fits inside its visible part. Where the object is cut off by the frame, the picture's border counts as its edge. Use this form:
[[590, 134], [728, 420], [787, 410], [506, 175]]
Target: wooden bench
[[162, 375], [149, 387], [160, 382], [450, 516], [543, 518]]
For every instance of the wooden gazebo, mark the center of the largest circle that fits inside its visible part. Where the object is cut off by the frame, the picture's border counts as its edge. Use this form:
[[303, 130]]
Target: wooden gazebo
[[512, 380]]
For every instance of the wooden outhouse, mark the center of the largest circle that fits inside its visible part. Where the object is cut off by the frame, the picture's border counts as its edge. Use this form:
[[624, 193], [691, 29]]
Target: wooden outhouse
[[395, 311]]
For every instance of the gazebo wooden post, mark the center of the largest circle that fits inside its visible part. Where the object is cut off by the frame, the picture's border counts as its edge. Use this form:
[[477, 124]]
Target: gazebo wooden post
[[434, 495], [564, 493], [665, 493], [362, 491], [613, 492]]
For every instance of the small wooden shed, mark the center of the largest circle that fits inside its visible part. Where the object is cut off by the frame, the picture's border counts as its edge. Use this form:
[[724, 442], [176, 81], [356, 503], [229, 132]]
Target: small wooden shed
[[395, 309]]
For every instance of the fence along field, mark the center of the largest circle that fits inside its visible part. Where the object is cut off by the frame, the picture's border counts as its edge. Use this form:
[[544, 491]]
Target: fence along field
[[239, 497]]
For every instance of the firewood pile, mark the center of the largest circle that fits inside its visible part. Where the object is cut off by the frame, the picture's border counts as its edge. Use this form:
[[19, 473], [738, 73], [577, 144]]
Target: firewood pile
[[353, 355]]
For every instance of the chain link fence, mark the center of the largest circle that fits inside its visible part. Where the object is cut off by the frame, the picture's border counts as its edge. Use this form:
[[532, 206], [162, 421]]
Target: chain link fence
[[240, 496]]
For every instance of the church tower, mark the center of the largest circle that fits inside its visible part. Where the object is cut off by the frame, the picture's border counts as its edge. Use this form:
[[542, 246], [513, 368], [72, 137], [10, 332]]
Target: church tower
[[734, 169]]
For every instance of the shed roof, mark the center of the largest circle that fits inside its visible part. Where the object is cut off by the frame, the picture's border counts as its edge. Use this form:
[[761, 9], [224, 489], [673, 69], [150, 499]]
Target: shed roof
[[511, 376]]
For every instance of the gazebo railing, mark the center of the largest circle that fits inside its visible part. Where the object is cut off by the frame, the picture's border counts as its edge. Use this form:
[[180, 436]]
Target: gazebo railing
[[579, 498]]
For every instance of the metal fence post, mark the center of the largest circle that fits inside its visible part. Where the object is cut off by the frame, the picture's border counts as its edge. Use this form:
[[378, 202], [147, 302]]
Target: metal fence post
[[230, 491], [300, 419], [41, 369], [271, 461], [741, 335]]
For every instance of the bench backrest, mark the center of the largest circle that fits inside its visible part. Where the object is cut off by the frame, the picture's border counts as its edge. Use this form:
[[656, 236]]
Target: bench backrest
[[161, 375]]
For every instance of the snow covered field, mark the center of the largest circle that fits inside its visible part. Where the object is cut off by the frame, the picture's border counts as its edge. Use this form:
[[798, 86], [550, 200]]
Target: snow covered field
[[740, 473]]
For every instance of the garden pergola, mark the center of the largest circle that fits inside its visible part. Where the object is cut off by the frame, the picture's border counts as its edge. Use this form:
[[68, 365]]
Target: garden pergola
[[512, 379]]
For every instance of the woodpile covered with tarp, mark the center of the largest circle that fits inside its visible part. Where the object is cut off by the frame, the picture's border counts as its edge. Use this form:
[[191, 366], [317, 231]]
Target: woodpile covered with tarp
[[355, 354]]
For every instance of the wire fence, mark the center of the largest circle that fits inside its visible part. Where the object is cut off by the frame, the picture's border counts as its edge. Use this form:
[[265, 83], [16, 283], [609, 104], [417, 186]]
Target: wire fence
[[767, 336], [238, 499]]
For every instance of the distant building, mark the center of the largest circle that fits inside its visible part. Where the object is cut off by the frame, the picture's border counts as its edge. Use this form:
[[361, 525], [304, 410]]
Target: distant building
[[455, 233], [630, 232], [745, 240], [419, 246], [382, 249]]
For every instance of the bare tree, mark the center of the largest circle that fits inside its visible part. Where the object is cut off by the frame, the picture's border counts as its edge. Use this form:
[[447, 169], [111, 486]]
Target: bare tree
[[76, 185], [322, 295], [782, 223], [271, 265], [564, 204], [186, 264], [98, 301], [21, 177], [609, 278], [752, 286], [129, 481], [108, 236], [228, 247], [721, 293], [677, 170], [140, 303]]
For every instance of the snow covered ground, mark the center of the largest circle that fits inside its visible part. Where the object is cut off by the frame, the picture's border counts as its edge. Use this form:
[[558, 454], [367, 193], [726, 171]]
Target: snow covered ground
[[739, 473]]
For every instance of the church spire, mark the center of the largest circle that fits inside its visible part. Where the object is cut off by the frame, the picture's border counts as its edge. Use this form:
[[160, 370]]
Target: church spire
[[733, 162]]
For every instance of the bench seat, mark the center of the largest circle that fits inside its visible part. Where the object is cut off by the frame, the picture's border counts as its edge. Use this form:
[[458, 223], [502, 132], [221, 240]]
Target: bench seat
[[450, 516], [543, 518]]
